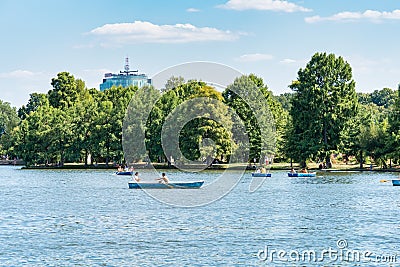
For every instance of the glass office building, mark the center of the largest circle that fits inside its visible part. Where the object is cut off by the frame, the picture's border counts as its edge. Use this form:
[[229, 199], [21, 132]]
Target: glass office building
[[125, 78]]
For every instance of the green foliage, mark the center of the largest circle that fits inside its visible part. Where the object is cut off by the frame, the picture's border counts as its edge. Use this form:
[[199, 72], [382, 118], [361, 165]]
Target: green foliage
[[66, 90], [260, 127], [324, 100], [323, 115], [196, 130], [35, 101], [394, 128], [383, 98], [285, 100], [8, 120], [173, 82], [139, 133], [71, 124]]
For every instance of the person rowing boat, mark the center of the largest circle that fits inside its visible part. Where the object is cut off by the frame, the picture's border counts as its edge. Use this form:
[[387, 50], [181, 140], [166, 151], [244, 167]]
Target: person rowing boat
[[164, 179]]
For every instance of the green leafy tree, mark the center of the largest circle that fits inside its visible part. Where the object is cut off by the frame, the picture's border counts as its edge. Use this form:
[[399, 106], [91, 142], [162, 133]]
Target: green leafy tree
[[116, 102], [35, 101], [173, 82], [195, 137], [204, 138], [140, 131], [8, 120], [324, 100], [66, 90], [361, 129], [286, 100], [393, 143], [385, 97], [84, 114], [44, 136], [253, 87]]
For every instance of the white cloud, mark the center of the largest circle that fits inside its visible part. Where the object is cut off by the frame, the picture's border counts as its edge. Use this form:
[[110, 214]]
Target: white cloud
[[288, 61], [372, 15], [147, 32], [192, 10], [19, 74], [254, 57], [272, 5]]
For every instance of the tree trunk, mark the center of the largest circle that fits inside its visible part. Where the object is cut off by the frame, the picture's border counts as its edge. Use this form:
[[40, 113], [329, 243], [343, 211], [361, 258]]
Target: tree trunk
[[361, 160], [86, 157], [303, 164], [328, 161]]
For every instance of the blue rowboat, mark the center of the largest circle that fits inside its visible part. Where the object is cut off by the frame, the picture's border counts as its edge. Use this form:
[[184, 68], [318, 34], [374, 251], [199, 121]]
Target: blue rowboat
[[396, 182], [256, 174], [300, 174], [124, 173], [170, 185]]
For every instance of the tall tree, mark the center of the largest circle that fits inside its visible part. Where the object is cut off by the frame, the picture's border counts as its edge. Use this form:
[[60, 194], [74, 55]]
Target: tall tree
[[66, 90], [394, 127], [195, 131], [35, 101], [385, 97], [173, 82], [8, 120], [259, 127], [113, 116], [324, 100]]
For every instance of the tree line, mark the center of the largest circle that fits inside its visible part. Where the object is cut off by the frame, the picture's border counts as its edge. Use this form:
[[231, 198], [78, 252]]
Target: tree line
[[322, 116]]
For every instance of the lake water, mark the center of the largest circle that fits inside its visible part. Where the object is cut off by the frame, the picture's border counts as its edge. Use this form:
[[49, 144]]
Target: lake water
[[91, 218]]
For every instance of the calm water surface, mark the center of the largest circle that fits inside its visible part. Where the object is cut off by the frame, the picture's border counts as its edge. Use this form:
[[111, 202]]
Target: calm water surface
[[91, 218]]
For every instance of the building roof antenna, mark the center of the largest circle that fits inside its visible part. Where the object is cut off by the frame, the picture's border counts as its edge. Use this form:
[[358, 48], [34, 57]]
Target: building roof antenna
[[127, 64]]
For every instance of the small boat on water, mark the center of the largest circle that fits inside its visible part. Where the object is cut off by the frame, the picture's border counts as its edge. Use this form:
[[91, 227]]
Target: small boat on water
[[301, 174], [257, 174], [170, 185], [124, 173], [396, 182]]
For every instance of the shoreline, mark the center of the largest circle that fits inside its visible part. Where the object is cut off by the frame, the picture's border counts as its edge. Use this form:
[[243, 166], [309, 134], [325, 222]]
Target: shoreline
[[162, 166], [6, 162]]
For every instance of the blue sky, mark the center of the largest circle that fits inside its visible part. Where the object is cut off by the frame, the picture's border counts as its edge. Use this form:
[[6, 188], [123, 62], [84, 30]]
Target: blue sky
[[270, 38]]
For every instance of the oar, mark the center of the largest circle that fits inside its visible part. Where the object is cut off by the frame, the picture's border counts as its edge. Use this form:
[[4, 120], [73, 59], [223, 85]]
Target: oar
[[384, 181], [168, 185]]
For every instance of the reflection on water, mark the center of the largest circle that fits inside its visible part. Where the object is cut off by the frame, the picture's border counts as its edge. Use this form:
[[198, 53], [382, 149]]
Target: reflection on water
[[91, 218]]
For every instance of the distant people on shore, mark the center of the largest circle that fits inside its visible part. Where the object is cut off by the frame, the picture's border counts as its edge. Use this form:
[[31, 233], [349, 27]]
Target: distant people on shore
[[322, 165]]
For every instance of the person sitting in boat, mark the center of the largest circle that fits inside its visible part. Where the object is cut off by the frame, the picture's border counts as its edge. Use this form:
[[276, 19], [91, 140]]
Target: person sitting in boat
[[164, 179], [304, 170], [263, 170], [258, 170], [120, 168], [136, 177], [292, 171]]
